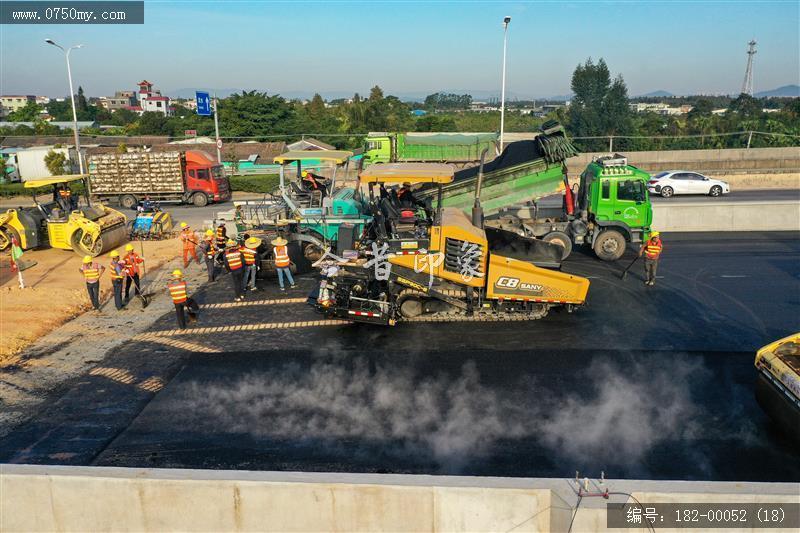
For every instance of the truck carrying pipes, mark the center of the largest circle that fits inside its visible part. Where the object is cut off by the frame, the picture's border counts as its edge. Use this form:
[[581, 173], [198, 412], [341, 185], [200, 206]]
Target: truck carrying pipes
[[460, 149], [62, 222], [435, 265], [189, 177]]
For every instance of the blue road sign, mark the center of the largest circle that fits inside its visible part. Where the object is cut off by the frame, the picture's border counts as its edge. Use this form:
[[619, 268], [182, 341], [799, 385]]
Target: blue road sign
[[203, 104]]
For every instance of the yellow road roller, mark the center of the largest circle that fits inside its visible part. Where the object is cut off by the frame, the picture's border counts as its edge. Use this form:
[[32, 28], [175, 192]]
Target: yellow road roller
[[62, 222]]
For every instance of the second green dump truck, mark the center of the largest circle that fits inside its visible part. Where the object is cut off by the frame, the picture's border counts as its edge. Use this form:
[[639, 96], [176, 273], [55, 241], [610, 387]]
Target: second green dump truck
[[459, 149]]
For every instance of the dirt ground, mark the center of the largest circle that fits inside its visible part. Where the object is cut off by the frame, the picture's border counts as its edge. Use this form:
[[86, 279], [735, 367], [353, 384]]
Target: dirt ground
[[56, 293]]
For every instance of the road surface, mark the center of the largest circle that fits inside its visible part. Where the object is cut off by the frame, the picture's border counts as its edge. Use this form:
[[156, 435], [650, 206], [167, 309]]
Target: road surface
[[641, 383]]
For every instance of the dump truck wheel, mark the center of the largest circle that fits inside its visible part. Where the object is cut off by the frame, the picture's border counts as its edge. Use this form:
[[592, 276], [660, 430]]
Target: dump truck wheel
[[609, 245], [6, 234], [559, 238], [200, 199], [128, 201]]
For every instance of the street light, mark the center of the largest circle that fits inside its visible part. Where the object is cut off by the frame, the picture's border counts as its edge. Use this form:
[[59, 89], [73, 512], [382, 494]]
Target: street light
[[72, 97], [506, 20]]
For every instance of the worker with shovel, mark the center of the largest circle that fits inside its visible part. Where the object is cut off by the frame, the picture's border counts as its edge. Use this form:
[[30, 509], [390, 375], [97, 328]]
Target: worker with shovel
[[178, 291], [189, 240], [132, 261], [91, 273], [652, 251]]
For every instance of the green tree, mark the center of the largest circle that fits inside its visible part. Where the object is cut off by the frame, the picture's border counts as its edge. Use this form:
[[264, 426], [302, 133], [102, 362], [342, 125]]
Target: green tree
[[60, 111], [152, 123], [254, 114], [56, 163], [123, 117], [745, 106], [28, 113]]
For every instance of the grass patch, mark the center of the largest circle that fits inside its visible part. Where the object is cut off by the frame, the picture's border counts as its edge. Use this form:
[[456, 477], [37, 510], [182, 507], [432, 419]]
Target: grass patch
[[258, 183]]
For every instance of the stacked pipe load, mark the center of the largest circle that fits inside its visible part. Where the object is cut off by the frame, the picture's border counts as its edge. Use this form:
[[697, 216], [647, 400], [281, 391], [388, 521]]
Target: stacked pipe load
[[136, 172], [554, 144]]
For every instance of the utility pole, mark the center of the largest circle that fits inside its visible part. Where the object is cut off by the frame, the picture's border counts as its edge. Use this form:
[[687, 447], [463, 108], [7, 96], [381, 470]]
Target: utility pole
[[216, 128], [72, 98], [506, 20], [747, 86]]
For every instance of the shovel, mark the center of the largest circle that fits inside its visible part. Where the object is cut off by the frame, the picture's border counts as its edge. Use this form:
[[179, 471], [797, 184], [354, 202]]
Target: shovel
[[625, 272]]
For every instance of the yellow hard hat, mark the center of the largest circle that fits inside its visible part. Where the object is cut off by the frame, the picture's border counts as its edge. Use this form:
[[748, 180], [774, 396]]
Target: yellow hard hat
[[115, 253], [177, 273], [304, 173], [87, 258], [128, 247], [184, 225], [231, 242], [655, 233], [209, 233]]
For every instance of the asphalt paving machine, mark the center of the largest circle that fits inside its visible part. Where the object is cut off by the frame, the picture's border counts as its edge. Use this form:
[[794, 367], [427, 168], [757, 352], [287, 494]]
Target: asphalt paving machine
[[437, 264], [63, 223]]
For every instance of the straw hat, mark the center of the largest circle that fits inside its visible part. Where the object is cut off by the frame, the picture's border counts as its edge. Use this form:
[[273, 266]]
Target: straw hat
[[253, 242], [280, 241]]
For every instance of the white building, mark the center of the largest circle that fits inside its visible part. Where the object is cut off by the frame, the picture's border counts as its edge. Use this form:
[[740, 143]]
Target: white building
[[11, 102], [151, 100]]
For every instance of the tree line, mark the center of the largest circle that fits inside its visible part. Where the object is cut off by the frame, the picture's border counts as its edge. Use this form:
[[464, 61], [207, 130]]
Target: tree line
[[599, 108]]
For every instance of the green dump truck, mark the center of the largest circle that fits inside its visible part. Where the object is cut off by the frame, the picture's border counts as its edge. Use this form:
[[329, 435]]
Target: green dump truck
[[459, 149]]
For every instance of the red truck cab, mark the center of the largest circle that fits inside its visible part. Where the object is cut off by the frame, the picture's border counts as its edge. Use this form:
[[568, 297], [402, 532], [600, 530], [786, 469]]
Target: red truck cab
[[204, 175]]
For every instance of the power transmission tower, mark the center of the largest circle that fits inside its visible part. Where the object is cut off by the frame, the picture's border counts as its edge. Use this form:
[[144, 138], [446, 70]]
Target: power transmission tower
[[747, 86]]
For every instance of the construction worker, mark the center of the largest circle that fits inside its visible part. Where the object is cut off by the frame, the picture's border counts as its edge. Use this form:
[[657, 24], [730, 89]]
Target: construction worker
[[189, 240], [652, 251], [132, 261], [222, 236], [91, 273], [209, 249], [282, 262], [312, 182], [407, 198], [251, 261], [234, 263], [178, 292], [117, 276]]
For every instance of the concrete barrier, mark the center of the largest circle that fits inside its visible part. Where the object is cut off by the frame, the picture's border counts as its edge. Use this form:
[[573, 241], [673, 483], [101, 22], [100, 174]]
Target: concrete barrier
[[727, 216], [61, 498]]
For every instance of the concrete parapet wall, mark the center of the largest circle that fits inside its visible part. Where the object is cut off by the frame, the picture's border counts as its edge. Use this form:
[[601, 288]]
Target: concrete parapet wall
[[729, 216], [60, 498]]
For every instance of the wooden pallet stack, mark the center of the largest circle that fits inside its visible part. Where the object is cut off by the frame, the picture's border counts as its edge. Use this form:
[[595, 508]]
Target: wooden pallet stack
[[137, 172]]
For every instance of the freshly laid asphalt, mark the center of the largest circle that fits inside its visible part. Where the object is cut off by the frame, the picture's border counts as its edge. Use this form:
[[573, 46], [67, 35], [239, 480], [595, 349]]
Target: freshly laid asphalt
[[640, 383]]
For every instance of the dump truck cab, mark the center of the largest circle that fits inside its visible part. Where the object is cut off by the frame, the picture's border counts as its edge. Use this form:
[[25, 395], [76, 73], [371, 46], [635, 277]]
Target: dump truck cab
[[63, 222], [378, 148], [436, 264]]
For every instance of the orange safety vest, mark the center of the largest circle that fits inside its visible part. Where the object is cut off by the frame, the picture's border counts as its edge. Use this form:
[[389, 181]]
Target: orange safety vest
[[187, 236], [211, 251], [249, 255], [65, 193], [91, 272], [114, 265], [234, 258], [653, 249], [221, 236], [177, 290], [281, 256], [132, 261]]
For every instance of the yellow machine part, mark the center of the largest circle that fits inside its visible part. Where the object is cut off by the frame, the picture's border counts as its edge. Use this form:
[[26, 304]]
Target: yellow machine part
[[780, 359], [89, 237], [504, 278], [10, 221]]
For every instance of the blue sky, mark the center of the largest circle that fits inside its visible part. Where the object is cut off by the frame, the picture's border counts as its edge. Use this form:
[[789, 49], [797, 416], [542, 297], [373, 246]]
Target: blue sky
[[413, 47]]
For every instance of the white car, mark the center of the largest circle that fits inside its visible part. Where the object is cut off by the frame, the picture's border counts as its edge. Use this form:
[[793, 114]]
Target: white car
[[673, 182]]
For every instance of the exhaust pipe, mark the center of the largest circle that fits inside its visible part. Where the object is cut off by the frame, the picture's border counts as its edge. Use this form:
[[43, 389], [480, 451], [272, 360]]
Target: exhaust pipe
[[477, 210]]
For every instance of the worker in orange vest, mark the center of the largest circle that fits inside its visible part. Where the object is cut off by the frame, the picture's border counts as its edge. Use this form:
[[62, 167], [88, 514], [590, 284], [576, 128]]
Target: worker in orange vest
[[234, 263], [251, 261], [91, 274], [189, 240], [222, 236], [178, 291], [209, 253], [652, 251], [117, 277], [282, 262], [132, 261]]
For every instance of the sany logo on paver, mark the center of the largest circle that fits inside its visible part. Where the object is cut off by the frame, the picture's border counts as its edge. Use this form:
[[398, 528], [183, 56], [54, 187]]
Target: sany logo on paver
[[506, 282]]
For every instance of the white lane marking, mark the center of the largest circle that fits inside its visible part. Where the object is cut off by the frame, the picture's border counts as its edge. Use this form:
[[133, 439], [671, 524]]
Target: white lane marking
[[733, 276]]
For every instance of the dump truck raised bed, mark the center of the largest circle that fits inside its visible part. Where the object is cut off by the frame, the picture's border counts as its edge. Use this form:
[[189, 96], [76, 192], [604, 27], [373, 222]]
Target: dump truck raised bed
[[179, 177], [438, 265], [460, 149]]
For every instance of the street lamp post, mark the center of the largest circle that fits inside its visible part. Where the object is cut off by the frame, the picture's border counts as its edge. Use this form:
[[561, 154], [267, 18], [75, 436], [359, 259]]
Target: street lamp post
[[506, 20], [72, 98]]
